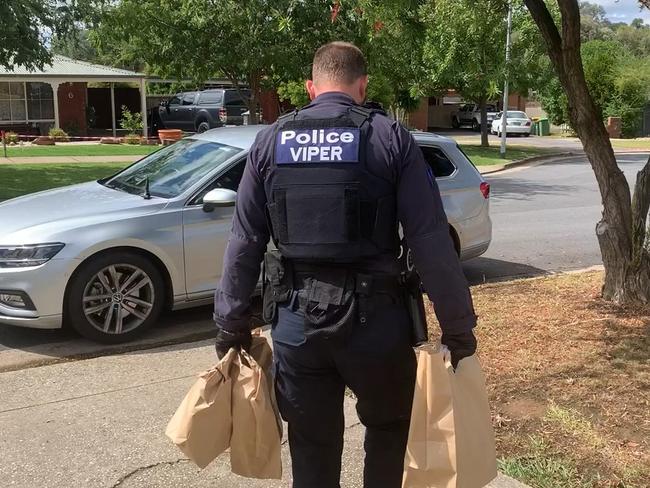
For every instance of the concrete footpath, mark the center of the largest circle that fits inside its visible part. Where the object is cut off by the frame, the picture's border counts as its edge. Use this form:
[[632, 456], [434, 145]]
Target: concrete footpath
[[100, 423]]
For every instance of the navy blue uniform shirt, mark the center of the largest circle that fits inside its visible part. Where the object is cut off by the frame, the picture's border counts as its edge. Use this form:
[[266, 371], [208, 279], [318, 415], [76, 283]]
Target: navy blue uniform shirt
[[391, 153]]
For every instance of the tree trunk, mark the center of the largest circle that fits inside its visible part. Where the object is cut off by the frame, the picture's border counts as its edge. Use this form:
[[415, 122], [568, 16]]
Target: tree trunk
[[484, 127], [626, 261]]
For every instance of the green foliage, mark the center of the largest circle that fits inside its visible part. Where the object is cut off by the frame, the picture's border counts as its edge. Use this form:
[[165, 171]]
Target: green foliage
[[393, 46], [58, 135], [131, 121], [630, 96], [464, 46], [27, 25], [72, 127], [594, 25], [11, 138], [294, 92], [76, 46], [601, 61], [543, 468], [618, 81], [256, 43], [554, 100], [132, 139]]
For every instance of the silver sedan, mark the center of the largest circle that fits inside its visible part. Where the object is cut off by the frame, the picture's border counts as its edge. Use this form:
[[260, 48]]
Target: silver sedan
[[108, 257]]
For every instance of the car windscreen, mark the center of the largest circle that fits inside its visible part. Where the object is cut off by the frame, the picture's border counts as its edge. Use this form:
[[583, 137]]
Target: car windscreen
[[172, 170]]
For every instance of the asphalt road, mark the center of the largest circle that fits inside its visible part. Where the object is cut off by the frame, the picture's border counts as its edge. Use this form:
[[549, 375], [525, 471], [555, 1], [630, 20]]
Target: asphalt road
[[543, 217]]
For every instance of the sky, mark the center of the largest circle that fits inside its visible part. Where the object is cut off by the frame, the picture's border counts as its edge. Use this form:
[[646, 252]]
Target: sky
[[623, 10]]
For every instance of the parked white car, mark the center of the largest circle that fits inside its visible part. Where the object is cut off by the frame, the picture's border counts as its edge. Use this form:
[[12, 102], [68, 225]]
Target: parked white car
[[108, 256], [470, 114], [516, 123]]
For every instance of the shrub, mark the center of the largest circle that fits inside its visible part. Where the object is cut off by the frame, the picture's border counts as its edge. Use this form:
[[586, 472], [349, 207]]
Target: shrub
[[131, 121], [11, 138], [59, 135], [72, 128], [131, 139]]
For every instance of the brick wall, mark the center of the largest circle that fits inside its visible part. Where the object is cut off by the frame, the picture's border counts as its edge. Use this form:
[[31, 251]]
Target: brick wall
[[72, 108], [418, 119]]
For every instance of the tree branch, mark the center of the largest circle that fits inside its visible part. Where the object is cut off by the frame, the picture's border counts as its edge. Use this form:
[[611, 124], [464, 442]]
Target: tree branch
[[547, 27], [570, 23], [640, 209]]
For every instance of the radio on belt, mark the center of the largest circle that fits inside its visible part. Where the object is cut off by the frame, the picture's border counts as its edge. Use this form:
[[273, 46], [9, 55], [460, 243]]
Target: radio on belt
[[330, 145]]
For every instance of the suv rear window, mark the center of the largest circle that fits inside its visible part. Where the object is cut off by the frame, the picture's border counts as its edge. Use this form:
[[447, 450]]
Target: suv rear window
[[208, 98], [233, 98], [438, 160]]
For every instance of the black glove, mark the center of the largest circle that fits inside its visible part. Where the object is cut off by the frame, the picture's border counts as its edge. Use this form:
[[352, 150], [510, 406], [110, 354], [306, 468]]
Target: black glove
[[460, 345], [227, 339]]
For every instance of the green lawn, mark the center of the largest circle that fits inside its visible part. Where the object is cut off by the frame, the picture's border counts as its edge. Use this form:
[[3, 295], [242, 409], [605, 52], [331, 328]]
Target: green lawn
[[485, 156], [19, 179], [63, 149], [643, 143]]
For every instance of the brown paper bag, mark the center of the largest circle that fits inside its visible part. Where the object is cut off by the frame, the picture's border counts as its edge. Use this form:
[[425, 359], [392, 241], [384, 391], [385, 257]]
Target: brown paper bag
[[256, 428], [451, 441], [233, 405], [202, 424]]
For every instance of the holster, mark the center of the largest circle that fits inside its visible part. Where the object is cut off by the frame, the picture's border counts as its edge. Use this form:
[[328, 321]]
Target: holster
[[415, 305], [277, 284]]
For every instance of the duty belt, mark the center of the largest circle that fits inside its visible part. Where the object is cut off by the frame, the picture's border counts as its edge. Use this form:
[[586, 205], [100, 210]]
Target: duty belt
[[371, 291]]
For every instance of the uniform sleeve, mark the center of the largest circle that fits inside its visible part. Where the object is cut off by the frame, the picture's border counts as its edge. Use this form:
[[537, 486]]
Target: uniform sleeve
[[426, 229], [245, 249]]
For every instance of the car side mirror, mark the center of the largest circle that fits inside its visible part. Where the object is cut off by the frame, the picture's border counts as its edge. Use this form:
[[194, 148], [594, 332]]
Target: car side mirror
[[219, 198]]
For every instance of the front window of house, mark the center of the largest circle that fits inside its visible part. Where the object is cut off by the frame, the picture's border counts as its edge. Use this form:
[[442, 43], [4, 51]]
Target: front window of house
[[22, 102]]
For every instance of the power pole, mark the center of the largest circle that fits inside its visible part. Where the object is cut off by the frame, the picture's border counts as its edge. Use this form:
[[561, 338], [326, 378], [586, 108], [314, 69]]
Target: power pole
[[504, 115]]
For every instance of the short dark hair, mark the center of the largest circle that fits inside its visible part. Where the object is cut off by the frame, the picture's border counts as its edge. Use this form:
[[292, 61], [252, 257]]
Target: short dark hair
[[338, 61]]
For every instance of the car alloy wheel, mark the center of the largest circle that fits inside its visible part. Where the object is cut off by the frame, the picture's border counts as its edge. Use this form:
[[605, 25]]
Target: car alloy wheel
[[203, 126], [118, 299]]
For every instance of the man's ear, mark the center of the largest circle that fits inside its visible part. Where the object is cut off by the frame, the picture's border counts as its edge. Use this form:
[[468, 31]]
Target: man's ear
[[311, 90], [363, 88]]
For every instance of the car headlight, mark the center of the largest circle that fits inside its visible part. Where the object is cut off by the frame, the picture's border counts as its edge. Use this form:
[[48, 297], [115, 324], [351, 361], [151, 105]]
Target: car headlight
[[28, 255]]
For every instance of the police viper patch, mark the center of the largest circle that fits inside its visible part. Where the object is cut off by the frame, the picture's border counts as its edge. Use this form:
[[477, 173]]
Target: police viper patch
[[331, 145]]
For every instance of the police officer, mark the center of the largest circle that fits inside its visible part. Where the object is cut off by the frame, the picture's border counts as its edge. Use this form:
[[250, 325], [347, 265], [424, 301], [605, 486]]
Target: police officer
[[330, 184]]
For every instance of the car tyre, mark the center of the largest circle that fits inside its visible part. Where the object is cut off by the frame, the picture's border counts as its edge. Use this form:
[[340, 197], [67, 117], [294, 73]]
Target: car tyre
[[475, 125], [114, 297], [527, 134], [203, 126]]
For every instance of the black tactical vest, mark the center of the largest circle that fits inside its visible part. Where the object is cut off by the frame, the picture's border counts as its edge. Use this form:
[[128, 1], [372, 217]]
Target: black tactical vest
[[324, 203]]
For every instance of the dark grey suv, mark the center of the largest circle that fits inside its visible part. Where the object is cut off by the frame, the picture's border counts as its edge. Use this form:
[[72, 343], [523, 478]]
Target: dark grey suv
[[198, 111]]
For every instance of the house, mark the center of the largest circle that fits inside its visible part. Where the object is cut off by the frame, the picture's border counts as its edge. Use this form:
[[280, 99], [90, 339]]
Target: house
[[57, 95]]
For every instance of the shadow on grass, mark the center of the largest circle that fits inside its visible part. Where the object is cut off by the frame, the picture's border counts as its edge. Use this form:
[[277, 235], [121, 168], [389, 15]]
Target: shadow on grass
[[484, 270]]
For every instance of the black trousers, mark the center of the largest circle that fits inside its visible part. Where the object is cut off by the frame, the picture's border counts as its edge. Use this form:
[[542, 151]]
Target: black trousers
[[377, 363]]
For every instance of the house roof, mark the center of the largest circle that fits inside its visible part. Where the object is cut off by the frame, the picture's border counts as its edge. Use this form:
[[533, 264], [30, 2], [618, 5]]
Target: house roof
[[64, 67]]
